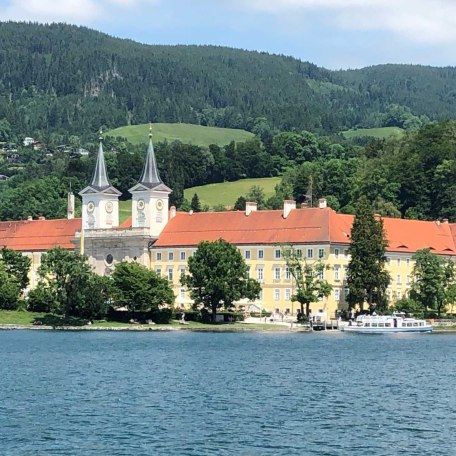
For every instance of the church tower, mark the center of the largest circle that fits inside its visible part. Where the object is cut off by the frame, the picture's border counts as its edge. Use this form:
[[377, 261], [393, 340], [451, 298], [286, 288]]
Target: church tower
[[150, 197], [100, 200]]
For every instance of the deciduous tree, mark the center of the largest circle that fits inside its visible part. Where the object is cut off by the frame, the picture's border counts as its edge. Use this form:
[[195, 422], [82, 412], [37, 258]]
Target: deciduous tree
[[308, 278], [218, 276]]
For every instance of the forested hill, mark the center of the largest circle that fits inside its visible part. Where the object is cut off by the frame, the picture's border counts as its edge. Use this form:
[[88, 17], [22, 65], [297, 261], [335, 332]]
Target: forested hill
[[72, 79]]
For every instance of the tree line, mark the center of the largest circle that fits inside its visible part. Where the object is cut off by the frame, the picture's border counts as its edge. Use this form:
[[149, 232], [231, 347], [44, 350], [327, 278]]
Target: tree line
[[411, 177]]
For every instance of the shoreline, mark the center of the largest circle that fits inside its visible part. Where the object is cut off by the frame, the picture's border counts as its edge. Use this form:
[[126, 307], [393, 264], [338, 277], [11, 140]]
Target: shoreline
[[169, 328]]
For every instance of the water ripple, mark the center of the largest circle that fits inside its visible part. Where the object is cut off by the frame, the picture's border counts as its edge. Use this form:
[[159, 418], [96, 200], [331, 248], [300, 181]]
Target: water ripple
[[183, 393]]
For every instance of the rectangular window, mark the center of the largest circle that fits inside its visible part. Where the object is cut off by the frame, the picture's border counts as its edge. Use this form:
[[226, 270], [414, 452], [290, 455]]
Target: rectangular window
[[182, 293], [181, 271], [287, 273], [346, 253], [158, 271], [277, 273], [321, 253], [170, 274], [170, 256], [298, 253], [346, 291], [260, 254], [247, 254], [260, 297], [345, 271], [398, 261], [321, 275], [158, 256], [277, 294], [398, 295], [336, 272], [398, 279], [287, 294], [337, 294], [277, 254], [407, 280], [388, 261], [183, 256], [310, 253], [336, 253], [407, 261], [260, 274]]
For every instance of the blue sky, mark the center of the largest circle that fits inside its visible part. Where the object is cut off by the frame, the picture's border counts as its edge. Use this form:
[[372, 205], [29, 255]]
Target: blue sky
[[330, 33]]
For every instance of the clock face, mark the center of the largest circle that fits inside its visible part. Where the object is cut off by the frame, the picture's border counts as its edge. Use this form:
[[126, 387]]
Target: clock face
[[90, 207], [140, 204], [159, 204], [109, 207]]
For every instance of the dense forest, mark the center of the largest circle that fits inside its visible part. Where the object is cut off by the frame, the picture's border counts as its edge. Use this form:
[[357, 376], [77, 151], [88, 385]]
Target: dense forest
[[72, 80]]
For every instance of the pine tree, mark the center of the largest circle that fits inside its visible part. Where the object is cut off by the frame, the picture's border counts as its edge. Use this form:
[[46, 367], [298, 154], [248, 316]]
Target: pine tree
[[195, 205], [367, 278]]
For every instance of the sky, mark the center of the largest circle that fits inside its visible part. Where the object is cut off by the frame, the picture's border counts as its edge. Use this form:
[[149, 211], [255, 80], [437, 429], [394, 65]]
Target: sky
[[330, 33]]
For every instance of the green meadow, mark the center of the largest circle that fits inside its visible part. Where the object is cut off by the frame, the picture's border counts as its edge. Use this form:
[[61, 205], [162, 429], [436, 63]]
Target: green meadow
[[185, 133], [227, 193], [211, 195], [380, 133]]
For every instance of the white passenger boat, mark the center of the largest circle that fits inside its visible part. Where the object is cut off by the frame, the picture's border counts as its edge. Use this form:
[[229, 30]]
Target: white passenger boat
[[373, 324]]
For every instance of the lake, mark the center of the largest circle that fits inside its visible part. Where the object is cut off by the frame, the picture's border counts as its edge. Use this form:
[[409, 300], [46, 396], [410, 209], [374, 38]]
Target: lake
[[190, 393]]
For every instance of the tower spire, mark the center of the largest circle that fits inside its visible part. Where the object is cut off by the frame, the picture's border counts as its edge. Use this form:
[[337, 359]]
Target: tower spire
[[150, 177], [100, 179]]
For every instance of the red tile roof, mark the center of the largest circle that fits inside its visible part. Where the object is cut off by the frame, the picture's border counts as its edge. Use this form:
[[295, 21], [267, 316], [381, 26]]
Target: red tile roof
[[38, 235], [260, 227], [309, 225]]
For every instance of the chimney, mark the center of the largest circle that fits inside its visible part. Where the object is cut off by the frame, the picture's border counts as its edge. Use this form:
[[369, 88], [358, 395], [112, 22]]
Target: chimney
[[322, 203], [250, 206], [41, 218], [445, 221], [172, 212], [190, 212], [70, 206], [288, 206], [29, 218]]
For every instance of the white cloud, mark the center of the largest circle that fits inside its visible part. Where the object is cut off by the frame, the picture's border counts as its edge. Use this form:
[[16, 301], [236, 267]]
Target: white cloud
[[429, 21], [71, 11]]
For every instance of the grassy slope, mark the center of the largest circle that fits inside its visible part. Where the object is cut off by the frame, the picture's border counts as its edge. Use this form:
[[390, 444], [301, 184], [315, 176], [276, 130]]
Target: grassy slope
[[186, 133], [227, 193], [384, 132]]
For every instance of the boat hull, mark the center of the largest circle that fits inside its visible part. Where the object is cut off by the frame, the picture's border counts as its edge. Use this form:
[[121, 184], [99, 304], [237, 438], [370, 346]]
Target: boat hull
[[361, 330]]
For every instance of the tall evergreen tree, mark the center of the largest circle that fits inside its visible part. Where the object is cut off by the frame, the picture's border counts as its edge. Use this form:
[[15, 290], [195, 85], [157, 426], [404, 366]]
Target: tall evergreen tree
[[195, 204], [367, 278]]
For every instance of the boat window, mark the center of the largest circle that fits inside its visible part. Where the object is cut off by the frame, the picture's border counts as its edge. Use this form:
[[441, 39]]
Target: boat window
[[415, 323], [367, 325], [381, 325], [421, 323], [388, 325], [409, 324], [374, 325]]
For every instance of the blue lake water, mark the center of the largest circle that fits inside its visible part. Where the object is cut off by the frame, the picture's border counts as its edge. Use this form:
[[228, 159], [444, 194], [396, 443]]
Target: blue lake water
[[187, 393]]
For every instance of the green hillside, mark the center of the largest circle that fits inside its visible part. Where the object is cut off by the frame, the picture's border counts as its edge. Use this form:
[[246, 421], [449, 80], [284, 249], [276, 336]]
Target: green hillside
[[212, 195], [83, 79], [185, 133], [227, 193], [381, 133]]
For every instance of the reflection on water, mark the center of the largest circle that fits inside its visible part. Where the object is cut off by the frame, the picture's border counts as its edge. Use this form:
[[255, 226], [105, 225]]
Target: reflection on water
[[184, 393]]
